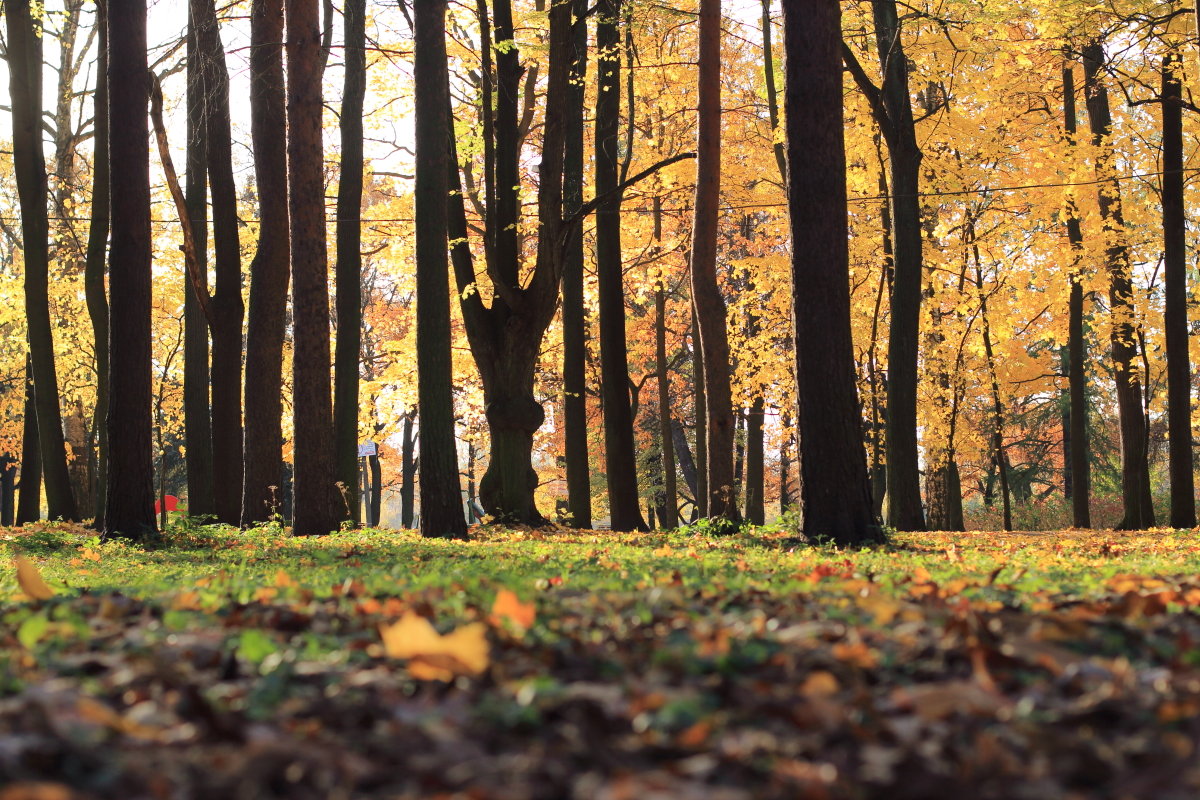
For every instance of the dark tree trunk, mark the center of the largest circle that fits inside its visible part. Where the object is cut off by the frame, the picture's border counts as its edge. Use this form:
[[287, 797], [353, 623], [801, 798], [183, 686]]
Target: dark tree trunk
[[620, 459], [669, 515], [226, 304], [349, 258], [129, 507], [785, 463], [197, 419], [687, 464], [24, 57], [441, 495], [1135, 471], [755, 476], [408, 471], [701, 409], [579, 484], [8, 490], [376, 499], [998, 454], [706, 294], [93, 275], [835, 493], [318, 505], [262, 483], [1179, 368], [1081, 516], [29, 503]]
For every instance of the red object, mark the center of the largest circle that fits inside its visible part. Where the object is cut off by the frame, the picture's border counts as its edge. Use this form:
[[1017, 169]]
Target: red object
[[172, 504]]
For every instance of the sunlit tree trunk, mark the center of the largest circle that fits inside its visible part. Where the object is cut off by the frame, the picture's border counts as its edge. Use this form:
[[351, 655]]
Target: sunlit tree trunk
[[24, 57], [835, 493], [262, 483], [318, 505], [1135, 471], [349, 258], [129, 507]]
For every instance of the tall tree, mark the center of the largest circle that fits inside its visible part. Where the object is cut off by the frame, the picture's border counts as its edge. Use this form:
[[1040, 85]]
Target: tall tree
[[706, 294], [129, 507], [94, 265], [579, 484], [891, 104], [1135, 470], [29, 160], [197, 412], [441, 494], [1179, 368], [349, 257], [262, 483], [1081, 516], [835, 492], [619, 456], [669, 506], [318, 505], [228, 311], [29, 502]]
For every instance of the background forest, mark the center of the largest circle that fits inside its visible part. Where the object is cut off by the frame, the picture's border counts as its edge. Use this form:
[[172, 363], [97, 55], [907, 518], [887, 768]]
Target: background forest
[[997, 220]]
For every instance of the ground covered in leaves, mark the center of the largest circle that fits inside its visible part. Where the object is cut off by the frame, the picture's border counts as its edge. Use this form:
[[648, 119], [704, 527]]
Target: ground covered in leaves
[[580, 664]]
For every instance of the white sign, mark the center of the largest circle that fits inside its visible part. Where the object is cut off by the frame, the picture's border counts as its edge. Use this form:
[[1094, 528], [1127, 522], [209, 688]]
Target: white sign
[[368, 449]]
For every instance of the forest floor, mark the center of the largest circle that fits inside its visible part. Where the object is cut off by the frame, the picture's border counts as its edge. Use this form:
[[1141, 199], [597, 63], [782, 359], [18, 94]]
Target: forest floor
[[582, 664]]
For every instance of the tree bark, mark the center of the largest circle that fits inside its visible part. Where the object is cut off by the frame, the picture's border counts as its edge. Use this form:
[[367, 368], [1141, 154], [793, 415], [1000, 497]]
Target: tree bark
[[441, 494], [197, 416], [318, 505], [262, 482], [701, 413], [1179, 369], [29, 502], [24, 56], [620, 459], [579, 484], [706, 294], [94, 265], [129, 507], [835, 492], [1135, 471], [8, 490], [349, 258], [1081, 516], [408, 471]]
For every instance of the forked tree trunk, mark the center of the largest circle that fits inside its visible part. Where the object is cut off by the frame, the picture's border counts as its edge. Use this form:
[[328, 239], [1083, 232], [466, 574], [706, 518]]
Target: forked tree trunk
[[441, 495], [1135, 471], [349, 258], [129, 507], [24, 58], [835, 493], [262, 483], [318, 505], [706, 294]]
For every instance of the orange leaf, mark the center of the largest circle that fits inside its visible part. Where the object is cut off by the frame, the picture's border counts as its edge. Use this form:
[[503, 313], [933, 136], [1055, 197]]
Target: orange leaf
[[509, 607], [30, 580], [434, 657]]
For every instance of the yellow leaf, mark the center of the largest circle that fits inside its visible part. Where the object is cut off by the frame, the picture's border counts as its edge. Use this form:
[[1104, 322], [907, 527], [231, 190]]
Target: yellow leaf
[[30, 580], [431, 656], [508, 607]]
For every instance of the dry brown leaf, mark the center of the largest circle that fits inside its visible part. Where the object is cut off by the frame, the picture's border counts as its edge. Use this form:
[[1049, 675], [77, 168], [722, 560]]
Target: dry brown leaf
[[434, 657], [509, 607], [819, 684], [30, 580]]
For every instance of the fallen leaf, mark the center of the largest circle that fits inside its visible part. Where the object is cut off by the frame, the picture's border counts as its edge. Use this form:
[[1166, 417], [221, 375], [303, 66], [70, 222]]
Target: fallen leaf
[[30, 580], [508, 607], [434, 657]]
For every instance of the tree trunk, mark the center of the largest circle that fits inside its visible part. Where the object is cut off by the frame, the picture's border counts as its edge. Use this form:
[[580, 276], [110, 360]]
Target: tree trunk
[[263, 481], [620, 459], [441, 496], [706, 294], [349, 258], [197, 418], [375, 467], [1135, 471], [93, 274], [669, 515], [408, 471], [1081, 516], [579, 485], [785, 462], [129, 507], [755, 475], [29, 503], [701, 413], [318, 505], [8, 490], [835, 493], [226, 304], [24, 58], [1179, 370]]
